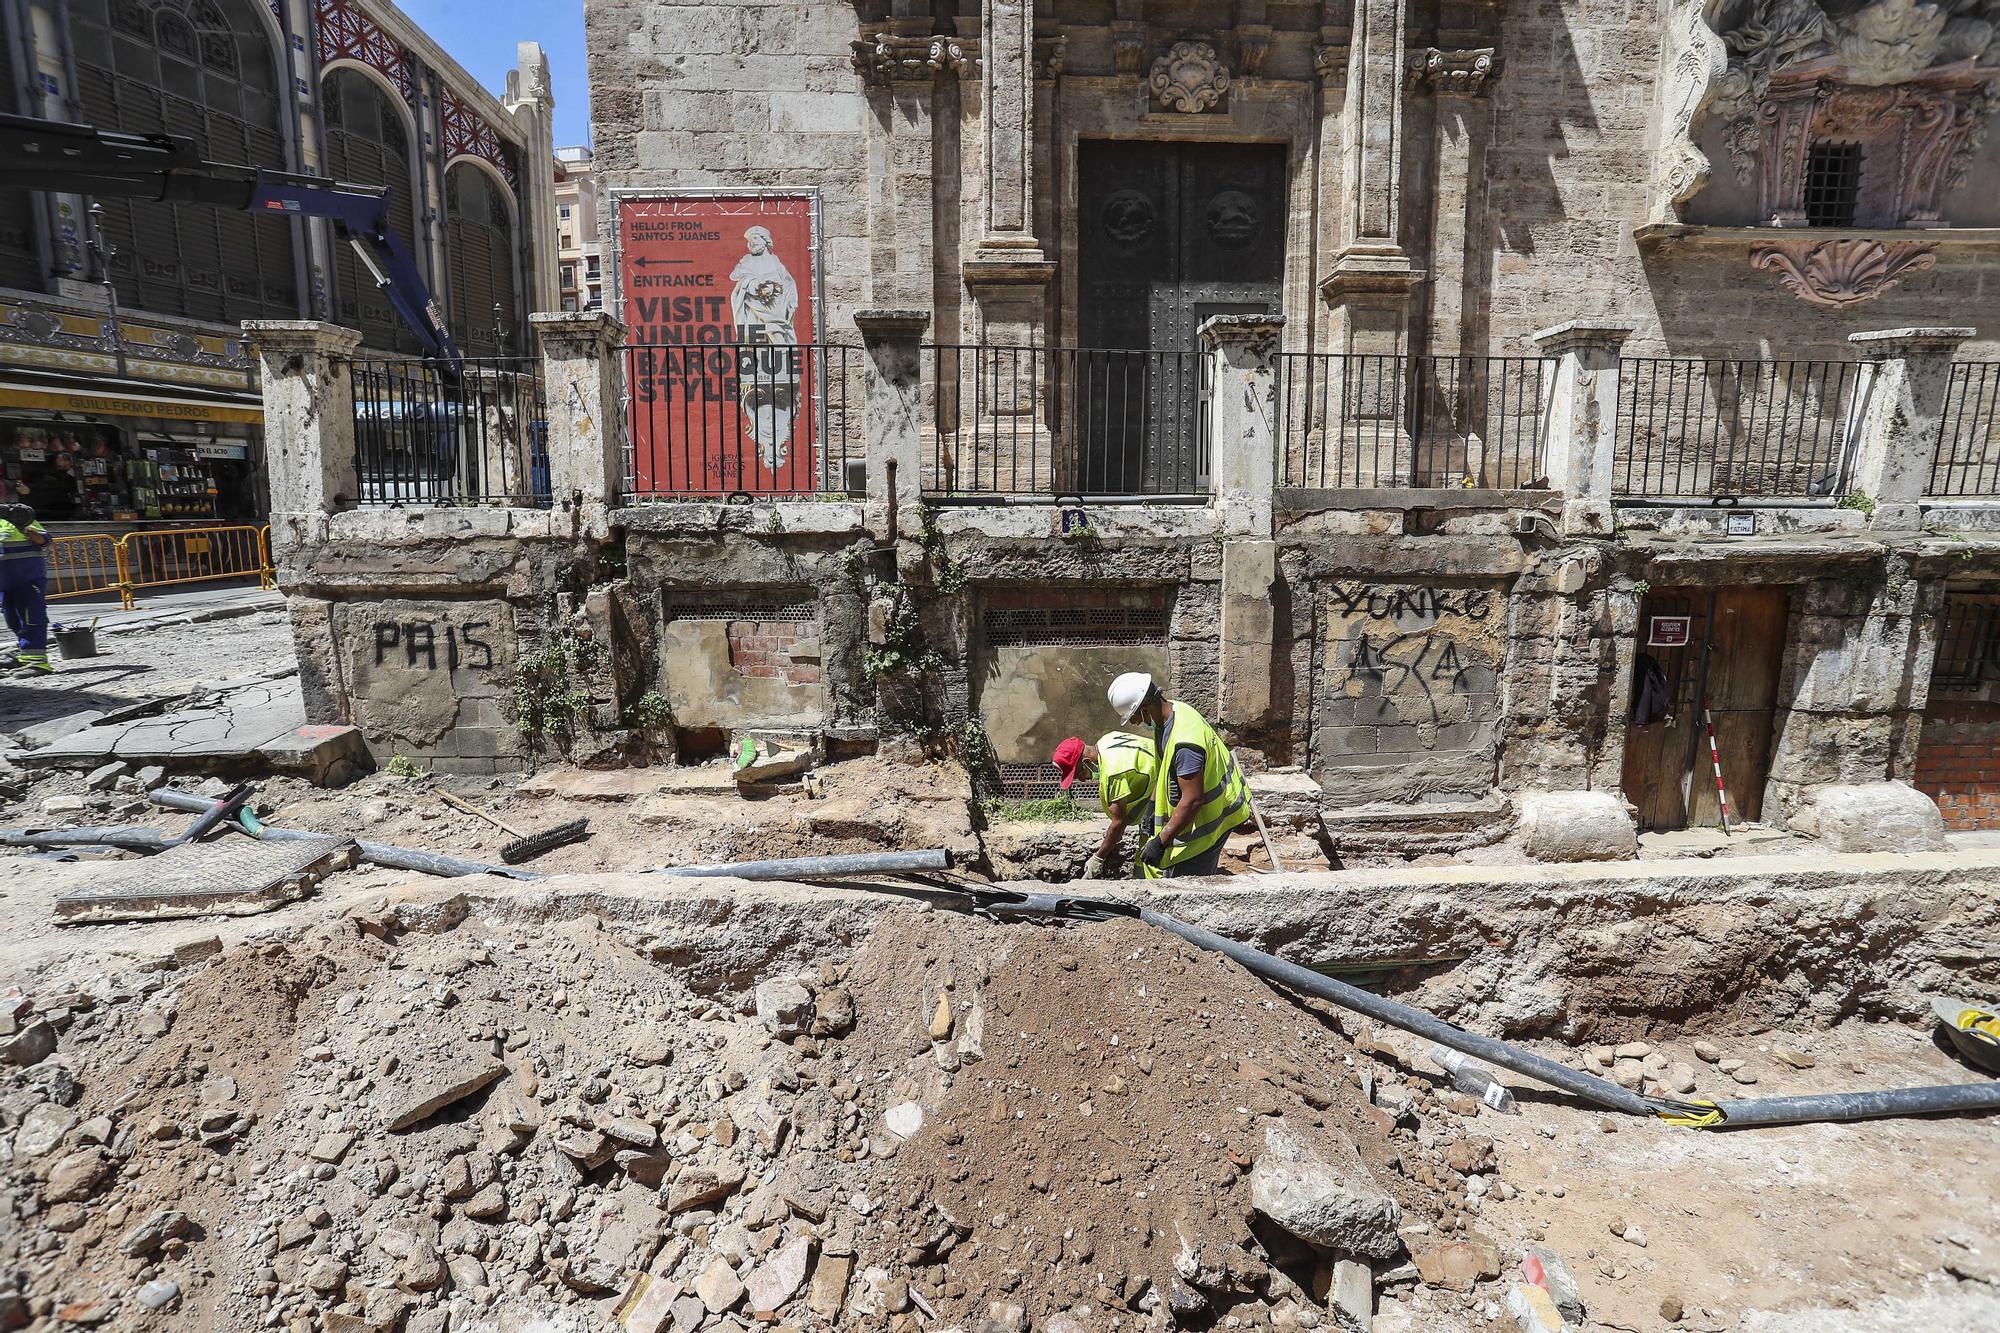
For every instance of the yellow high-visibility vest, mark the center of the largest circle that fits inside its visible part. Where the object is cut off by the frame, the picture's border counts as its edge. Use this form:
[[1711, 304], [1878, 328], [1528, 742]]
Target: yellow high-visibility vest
[[1225, 798], [1125, 768]]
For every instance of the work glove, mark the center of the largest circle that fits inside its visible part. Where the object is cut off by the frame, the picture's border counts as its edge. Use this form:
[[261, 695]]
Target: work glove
[[1093, 867], [19, 515], [1153, 852]]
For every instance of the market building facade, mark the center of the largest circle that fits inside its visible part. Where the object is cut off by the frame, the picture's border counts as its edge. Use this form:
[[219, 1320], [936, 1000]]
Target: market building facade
[[128, 396]]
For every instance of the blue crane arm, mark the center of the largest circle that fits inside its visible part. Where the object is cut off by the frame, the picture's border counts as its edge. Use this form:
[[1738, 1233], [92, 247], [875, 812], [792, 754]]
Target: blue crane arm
[[56, 155]]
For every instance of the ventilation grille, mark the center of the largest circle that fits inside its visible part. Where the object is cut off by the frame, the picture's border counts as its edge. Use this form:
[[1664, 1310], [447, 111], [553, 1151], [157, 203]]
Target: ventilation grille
[[746, 606], [1035, 782], [1075, 626]]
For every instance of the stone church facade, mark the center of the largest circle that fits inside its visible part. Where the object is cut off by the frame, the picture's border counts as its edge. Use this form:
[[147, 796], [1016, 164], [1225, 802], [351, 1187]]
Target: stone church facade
[[1734, 177]]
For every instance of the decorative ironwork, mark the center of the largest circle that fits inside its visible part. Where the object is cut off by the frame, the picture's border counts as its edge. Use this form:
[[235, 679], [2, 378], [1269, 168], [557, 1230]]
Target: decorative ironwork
[[1189, 78], [1839, 273], [466, 134], [345, 33]]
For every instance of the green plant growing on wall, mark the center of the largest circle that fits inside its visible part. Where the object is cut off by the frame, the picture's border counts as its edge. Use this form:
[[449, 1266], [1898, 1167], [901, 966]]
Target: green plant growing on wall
[[1860, 502], [1084, 536], [649, 710], [904, 649], [406, 768], [946, 576], [550, 694], [1038, 810], [1640, 587]]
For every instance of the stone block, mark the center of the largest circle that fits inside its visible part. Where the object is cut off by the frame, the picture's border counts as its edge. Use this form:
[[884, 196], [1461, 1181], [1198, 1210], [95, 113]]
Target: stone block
[[1320, 1191], [1577, 826], [1870, 817]]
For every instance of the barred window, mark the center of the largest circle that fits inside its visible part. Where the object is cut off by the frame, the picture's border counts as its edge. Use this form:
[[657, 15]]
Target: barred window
[[1833, 184]]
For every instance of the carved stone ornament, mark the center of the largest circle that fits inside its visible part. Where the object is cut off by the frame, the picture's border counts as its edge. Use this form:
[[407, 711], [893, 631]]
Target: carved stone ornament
[[1840, 273], [1049, 56], [1330, 63], [892, 57], [1461, 72], [1189, 77]]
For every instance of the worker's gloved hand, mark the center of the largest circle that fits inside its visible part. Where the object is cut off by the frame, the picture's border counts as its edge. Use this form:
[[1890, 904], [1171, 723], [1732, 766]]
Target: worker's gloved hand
[[1153, 852], [19, 515], [1093, 867]]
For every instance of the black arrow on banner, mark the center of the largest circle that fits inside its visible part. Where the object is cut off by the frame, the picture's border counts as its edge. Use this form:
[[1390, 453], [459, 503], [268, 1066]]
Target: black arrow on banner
[[643, 262]]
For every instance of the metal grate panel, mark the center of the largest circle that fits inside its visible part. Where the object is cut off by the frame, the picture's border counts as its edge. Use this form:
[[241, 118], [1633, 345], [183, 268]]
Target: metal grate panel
[[1075, 626], [1833, 184], [746, 606], [1968, 644]]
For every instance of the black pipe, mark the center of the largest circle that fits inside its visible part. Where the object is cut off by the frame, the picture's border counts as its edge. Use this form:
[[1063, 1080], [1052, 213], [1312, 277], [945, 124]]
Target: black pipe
[[1525, 1063], [124, 839], [375, 853], [1859, 1105], [810, 867]]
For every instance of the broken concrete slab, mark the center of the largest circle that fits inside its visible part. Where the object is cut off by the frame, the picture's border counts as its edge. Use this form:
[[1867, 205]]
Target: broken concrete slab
[[230, 876], [260, 724], [53, 730], [430, 1087]]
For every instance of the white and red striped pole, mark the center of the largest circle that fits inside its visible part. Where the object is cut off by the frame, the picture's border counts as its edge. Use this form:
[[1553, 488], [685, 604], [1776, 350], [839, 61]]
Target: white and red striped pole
[[1715, 759]]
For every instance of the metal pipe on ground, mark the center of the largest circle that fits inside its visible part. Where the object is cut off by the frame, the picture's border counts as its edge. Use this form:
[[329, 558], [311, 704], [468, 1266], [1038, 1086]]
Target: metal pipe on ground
[[811, 867], [375, 853], [123, 839], [1936, 1100]]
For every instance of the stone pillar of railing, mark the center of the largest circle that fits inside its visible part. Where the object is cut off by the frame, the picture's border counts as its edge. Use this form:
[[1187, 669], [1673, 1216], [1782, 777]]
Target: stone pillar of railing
[[1582, 422], [306, 369], [1898, 424], [1242, 416], [583, 382], [892, 342]]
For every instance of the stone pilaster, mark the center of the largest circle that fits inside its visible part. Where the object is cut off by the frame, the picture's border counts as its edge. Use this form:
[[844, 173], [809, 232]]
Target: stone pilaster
[[1368, 286], [1583, 419], [306, 369], [532, 103], [584, 386], [1899, 418], [900, 68], [1008, 274], [892, 341], [1457, 82]]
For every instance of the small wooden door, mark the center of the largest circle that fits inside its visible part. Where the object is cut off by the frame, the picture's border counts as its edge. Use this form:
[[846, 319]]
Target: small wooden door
[[1731, 652]]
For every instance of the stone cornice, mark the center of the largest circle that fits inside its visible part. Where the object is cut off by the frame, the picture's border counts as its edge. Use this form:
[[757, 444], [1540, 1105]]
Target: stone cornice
[[888, 57]]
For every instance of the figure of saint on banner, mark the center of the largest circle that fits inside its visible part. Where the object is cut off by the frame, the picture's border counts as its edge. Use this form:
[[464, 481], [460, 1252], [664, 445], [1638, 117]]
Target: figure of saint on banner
[[764, 302]]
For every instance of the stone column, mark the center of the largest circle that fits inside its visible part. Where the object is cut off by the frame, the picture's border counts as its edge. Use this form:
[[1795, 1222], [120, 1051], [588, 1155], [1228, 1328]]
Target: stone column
[[306, 369], [1369, 284], [1582, 422], [1242, 406], [1008, 275], [900, 67], [892, 341], [1898, 418], [1457, 79], [583, 382], [532, 104]]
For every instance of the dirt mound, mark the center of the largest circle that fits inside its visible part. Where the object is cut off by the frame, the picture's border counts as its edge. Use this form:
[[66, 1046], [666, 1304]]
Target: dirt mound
[[416, 1122]]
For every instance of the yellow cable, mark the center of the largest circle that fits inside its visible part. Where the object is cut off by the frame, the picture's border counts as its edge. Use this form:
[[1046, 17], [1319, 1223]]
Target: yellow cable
[[1708, 1119]]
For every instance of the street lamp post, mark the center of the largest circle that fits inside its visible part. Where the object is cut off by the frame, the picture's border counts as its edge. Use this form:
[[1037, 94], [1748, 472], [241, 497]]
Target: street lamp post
[[101, 250]]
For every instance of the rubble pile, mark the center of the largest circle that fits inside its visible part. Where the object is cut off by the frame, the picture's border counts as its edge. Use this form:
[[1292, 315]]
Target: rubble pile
[[419, 1122]]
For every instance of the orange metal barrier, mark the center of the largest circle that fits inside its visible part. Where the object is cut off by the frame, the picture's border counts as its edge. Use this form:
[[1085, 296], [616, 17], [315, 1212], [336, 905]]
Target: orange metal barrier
[[172, 556], [82, 566]]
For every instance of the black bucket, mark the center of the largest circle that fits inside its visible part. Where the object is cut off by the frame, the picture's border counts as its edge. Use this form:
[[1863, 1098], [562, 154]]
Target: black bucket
[[80, 641]]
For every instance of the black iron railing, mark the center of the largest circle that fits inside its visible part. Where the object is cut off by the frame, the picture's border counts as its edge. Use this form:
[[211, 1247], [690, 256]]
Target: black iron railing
[[426, 435], [1967, 461], [1057, 421], [1354, 420], [1733, 429], [745, 419]]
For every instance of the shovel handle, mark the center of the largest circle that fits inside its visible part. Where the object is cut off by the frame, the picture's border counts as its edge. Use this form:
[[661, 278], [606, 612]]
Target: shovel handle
[[471, 809]]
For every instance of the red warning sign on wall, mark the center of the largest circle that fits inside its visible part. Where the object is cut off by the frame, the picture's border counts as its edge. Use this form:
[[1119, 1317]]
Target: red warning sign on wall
[[718, 294]]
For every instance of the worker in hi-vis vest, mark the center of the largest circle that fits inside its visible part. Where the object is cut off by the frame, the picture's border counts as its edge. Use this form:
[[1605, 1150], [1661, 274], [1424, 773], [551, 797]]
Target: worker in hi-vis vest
[[24, 577], [1125, 764], [1198, 793]]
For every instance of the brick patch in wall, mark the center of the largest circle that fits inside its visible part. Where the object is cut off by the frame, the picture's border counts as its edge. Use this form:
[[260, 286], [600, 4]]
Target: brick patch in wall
[[770, 637], [1958, 762]]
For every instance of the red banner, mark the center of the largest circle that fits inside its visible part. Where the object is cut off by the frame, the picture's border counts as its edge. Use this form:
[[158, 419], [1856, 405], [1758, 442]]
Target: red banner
[[718, 307]]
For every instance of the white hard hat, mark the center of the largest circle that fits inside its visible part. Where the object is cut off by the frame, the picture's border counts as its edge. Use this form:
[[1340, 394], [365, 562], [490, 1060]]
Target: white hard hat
[[1128, 692]]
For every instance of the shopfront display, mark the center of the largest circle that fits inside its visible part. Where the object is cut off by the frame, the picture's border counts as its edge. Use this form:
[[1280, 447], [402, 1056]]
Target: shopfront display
[[83, 471]]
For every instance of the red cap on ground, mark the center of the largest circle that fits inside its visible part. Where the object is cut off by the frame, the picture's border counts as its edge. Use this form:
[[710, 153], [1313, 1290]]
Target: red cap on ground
[[1067, 757]]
